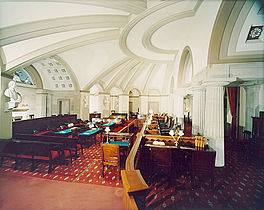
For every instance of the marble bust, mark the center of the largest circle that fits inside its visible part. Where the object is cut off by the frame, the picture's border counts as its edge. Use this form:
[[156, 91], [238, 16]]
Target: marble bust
[[13, 95]]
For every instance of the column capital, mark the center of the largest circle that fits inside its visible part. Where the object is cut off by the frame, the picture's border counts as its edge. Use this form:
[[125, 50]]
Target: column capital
[[215, 83]]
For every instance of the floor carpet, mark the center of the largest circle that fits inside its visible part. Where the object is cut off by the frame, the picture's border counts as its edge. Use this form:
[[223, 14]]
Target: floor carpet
[[86, 169], [238, 185]]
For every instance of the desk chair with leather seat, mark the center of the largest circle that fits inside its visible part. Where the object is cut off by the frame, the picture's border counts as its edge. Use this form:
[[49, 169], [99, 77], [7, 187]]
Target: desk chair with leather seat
[[111, 157]]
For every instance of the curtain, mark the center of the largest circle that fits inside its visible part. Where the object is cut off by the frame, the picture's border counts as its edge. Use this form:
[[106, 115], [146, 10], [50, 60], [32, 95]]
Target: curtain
[[232, 101]]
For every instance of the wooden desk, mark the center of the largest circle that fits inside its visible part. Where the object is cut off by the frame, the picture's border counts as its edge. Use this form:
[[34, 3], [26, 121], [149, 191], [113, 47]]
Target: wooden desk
[[67, 131], [86, 135], [198, 161]]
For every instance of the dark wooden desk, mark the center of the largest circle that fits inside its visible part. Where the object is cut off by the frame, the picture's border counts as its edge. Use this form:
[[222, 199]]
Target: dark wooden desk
[[199, 162]]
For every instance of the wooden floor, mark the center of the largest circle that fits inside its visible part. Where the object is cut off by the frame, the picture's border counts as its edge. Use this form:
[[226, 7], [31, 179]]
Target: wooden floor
[[17, 192]]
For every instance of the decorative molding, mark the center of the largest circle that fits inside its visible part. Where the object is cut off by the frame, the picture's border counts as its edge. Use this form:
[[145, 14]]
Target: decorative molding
[[129, 65], [60, 47], [70, 71], [134, 7], [153, 68], [107, 70], [137, 73], [147, 37], [133, 23], [35, 29], [223, 40]]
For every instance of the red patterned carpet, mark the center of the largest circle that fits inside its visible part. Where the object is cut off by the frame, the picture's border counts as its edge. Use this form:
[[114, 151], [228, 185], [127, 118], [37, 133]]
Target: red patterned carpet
[[85, 169]]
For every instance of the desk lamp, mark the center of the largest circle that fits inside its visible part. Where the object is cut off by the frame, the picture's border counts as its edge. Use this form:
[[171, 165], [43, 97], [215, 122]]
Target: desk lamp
[[180, 134], [107, 129], [172, 135]]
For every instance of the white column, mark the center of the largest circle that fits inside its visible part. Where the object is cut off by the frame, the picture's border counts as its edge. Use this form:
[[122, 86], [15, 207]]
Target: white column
[[214, 119], [195, 113], [249, 107], [5, 117], [201, 113], [84, 105]]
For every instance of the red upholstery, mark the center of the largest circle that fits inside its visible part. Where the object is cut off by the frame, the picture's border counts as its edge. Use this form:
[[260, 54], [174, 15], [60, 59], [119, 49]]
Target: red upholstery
[[54, 154]]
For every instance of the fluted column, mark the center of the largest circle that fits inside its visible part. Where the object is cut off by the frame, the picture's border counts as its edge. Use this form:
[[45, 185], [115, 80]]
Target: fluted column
[[214, 119], [5, 116], [198, 111]]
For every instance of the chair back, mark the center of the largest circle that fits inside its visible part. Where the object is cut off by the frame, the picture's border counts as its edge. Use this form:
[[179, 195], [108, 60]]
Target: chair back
[[110, 154]]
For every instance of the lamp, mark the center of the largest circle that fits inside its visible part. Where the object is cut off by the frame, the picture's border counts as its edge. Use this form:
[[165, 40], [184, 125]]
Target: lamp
[[91, 125], [172, 135], [180, 133], [107, 129]]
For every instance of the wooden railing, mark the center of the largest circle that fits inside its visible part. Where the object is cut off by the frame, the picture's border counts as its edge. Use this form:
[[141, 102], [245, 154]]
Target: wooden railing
[[132, 178], [126, 128]]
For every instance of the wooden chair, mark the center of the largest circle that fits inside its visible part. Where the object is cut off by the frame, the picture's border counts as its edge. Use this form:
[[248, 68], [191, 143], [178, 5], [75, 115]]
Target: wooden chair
[[111, 157]]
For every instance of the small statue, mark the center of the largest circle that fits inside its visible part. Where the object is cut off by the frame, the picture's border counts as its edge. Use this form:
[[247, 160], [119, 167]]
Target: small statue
[[14, 96]]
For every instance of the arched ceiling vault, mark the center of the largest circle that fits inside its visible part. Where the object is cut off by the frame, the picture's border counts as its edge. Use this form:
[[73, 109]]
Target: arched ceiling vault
[[123, 44]]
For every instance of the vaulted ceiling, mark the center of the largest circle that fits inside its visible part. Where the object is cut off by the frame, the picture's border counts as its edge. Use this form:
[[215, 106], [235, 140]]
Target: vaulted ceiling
[[125, 45]]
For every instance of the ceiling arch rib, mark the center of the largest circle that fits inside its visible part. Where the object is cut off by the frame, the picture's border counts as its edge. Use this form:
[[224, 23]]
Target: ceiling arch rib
[[130, 76], [144, 89], [132, 24], [137, 73], [122, 72], [61, 47], [107, 71], [147, 37], [134, 7], [30, 30]]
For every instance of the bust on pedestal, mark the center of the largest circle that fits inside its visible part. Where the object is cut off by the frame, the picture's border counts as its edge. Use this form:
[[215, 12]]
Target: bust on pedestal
[[14, 96]]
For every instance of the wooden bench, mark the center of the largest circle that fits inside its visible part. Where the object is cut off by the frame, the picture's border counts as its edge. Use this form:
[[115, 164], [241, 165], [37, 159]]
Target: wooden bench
[[69, 144], [34, 151]]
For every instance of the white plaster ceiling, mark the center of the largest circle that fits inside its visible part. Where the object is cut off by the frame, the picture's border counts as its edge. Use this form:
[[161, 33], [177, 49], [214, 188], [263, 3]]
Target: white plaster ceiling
[[119, 44]]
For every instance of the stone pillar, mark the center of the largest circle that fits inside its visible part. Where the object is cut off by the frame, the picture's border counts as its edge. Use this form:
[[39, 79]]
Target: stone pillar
[[124, 103], [84, 104], [214, 119], [195, 114], [249, 107], [198, 111], [5, 117], [41, 103]]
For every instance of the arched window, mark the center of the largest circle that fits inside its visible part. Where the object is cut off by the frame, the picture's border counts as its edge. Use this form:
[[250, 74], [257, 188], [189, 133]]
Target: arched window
[[23, 77], [185, 69]]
